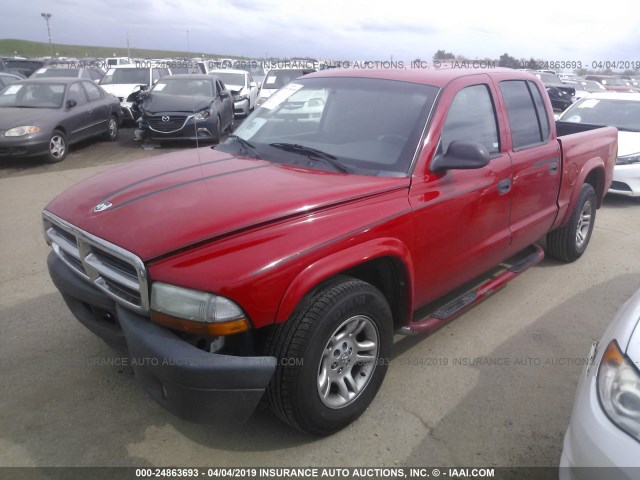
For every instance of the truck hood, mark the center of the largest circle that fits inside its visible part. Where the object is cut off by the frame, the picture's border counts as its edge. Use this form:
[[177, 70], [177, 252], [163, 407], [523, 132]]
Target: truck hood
[[155, 206]]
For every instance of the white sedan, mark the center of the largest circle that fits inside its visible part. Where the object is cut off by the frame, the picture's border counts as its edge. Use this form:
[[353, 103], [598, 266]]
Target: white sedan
[[605, 423], [620, 110], [243, 88]]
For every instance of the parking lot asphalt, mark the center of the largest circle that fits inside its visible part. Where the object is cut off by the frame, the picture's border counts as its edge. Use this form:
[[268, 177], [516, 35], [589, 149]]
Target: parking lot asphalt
[[493, 388]]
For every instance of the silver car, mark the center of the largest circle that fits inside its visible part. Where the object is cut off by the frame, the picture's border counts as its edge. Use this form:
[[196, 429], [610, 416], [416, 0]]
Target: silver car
[[605, 424]]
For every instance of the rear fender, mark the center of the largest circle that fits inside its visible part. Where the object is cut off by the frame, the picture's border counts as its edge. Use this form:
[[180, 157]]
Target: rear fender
[[343, 260], [568, 203]]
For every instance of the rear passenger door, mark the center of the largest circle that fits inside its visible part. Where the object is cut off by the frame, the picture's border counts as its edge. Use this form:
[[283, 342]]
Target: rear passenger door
[[536, 160], [99, 109], [78, 121]]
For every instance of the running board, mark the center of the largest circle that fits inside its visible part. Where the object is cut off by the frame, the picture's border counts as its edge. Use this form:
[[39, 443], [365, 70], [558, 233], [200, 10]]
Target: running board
[[438, 314]]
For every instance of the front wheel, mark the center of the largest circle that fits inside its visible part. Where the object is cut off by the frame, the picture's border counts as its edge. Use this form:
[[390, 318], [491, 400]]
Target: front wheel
[[568, 243], [332, 355], [57, 148]]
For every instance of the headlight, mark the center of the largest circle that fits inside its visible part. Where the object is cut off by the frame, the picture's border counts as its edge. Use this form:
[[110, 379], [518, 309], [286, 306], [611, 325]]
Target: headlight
[[202, 114], [239, 98], [195, 311], [619, 390], [628, 159], [20, 131]]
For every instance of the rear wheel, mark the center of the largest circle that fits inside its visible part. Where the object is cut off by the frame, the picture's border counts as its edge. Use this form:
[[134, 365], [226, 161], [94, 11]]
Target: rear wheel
[[333, 355], [570, 242], [57, 148]]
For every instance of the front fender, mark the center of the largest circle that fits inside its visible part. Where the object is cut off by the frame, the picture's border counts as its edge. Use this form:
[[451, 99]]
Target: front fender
[[334, 264]]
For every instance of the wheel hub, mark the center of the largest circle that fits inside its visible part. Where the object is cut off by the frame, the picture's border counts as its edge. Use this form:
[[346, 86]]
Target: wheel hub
[[348, 361]]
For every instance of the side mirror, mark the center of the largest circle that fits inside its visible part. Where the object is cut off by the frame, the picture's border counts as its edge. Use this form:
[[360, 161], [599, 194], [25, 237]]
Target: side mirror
[[461, 156], [253, 85], [71, 103], [224, 94]]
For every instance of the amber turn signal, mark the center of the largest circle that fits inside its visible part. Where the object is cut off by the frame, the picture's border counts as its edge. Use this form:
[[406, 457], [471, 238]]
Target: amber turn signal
[[216, 329]]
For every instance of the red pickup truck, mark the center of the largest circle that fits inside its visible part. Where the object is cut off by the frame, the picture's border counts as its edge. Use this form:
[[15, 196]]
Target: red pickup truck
[[349, 206]]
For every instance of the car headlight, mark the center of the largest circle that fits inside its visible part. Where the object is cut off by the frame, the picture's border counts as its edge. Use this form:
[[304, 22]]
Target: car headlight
[[21, 131], [619, 390], [628, 159], [195, 311], [239, 98], [202, 114]]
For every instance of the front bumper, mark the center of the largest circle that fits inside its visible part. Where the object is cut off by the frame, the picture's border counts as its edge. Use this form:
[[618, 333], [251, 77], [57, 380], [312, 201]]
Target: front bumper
[[626, 180], [593, 441], [26, 146], [192, 384], [241, 108]]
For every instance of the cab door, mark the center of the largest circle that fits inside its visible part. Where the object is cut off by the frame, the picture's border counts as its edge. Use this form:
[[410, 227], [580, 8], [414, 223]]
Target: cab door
[[536, 159], [461, 217]]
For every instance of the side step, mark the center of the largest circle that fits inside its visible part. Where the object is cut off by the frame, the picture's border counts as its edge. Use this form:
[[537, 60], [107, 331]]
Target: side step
[[438, 315]]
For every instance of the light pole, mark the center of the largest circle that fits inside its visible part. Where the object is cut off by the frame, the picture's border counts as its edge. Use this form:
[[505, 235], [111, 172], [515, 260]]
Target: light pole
[[46, 17]]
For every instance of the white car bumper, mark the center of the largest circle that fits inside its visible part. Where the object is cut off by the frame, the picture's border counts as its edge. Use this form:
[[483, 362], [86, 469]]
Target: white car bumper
[[626, 180], [593, 441]]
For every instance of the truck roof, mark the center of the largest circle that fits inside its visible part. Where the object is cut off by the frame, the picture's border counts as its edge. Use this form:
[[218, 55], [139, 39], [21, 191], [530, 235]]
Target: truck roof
[[438, 78]]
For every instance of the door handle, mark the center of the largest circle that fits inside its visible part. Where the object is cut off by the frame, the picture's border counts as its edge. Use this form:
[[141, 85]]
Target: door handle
[[504, 186], [553, 168]]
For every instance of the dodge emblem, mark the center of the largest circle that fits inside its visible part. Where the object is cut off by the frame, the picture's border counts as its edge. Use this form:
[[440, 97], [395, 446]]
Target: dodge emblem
[[102, 207]]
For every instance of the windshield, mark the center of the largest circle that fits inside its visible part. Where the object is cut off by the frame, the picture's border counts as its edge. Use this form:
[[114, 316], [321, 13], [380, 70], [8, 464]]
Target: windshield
[[32, 95], [57, 72], [370, 126], [279, 78], [126, 76], [183, 86], [236, 79], [622, 114]]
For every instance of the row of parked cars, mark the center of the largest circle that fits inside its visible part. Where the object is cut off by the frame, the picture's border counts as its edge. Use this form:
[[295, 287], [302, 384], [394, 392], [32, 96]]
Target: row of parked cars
[[63, 104]]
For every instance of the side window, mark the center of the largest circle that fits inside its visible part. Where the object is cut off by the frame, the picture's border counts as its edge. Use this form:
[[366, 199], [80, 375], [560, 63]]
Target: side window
[[85, 74], [93, 92], [76, 93], [163, 72], [95, 75], [543, 117], [155, 75], [524, 119], [219, 86], [472, 117]]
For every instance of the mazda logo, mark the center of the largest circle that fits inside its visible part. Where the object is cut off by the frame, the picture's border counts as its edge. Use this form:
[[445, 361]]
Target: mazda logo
[[165, 118]]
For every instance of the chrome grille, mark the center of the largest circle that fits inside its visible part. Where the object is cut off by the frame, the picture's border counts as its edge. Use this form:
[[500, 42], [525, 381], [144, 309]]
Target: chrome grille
[[173, 124], [115, 271]]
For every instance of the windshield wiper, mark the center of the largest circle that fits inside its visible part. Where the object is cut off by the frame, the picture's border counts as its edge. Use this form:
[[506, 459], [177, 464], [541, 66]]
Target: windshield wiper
[[246, 146], [312, 154]]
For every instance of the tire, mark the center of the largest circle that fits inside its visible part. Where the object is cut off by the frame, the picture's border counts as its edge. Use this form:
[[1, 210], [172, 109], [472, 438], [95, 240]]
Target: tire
[[568, 243], [320, 386], [58, 147], [112, 130]]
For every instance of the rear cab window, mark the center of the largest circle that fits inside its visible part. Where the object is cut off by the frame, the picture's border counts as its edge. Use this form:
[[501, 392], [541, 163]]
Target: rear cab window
[[528, 118]]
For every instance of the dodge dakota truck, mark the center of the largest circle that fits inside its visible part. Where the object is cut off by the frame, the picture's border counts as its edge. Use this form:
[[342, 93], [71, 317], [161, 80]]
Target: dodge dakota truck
[[350, 206]]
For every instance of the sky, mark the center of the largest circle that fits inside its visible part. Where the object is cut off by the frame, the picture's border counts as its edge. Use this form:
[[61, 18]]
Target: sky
[[335, 29]]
